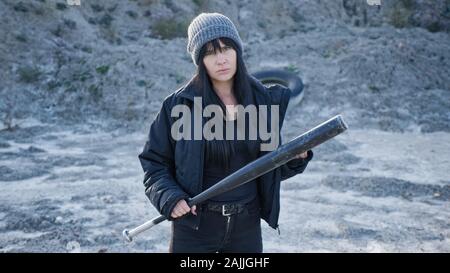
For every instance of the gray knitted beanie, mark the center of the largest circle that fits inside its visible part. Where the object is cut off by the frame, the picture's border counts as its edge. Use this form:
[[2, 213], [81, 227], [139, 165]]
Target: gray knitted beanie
[[207, 27]]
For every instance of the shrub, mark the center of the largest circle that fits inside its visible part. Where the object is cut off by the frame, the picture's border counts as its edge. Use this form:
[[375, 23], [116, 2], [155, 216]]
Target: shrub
[[61, 6], [169, 28], [96, 8], [401, 13], [29, 74], [20, 7], [291, 68], [102, 69]]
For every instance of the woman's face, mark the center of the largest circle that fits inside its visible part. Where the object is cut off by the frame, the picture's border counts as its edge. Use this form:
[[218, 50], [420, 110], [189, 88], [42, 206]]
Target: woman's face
[[221, 65]]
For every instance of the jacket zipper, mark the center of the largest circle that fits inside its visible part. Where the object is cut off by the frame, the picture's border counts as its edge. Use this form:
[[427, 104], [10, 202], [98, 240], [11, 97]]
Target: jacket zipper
[[201, 165]]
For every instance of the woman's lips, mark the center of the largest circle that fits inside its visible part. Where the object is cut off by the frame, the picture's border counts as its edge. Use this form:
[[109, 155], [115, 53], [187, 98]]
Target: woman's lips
[[223, 71]]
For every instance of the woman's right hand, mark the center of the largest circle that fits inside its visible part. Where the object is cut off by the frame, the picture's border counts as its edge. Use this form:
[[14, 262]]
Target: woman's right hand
[[181, 208]]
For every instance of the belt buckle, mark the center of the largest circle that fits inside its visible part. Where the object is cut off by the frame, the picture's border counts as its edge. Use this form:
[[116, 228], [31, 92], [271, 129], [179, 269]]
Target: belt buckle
[[224, 213]]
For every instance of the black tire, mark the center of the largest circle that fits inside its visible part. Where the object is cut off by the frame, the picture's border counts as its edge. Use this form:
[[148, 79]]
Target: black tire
[[285, 78]]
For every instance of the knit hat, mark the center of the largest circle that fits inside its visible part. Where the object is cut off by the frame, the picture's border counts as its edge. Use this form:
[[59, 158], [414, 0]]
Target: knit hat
[[207, 27]]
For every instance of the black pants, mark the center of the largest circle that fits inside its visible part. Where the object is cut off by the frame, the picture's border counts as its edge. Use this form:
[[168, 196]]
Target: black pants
[[237, 233]]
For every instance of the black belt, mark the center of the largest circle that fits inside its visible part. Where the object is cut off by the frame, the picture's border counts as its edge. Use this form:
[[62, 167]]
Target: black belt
[[225, 209]]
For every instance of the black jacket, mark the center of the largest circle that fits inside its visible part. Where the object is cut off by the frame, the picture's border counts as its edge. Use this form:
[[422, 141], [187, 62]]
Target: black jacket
[[174, 169]]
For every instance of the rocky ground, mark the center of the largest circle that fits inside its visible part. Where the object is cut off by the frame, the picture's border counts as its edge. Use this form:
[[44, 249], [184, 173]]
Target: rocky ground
[[76, 189], [81, 85]]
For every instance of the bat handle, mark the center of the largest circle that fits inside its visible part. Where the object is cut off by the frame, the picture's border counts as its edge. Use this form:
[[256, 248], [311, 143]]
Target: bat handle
[[130, 234]]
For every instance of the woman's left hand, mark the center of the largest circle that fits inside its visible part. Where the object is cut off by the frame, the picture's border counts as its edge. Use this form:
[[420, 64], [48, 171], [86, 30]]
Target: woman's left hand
[[302, 155]]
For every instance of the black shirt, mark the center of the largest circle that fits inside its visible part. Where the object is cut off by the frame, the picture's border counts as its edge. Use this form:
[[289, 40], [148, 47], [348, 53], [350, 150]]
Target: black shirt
[[245, 151]]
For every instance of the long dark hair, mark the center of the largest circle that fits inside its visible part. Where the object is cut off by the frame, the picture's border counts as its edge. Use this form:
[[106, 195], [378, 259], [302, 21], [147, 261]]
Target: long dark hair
[[220, 151]]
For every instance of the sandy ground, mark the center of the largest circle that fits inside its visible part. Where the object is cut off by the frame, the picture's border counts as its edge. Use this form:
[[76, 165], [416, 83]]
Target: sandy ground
[[76, 189]]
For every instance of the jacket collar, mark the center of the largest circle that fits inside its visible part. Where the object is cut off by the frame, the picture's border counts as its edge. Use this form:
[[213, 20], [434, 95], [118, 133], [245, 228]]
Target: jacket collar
[[187, 91]]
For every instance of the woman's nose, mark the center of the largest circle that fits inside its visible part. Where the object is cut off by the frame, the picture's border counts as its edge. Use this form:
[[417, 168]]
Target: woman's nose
[[221, 59]]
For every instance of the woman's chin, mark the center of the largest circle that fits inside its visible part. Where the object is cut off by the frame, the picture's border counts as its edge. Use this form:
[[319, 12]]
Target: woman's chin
[[224, 78]]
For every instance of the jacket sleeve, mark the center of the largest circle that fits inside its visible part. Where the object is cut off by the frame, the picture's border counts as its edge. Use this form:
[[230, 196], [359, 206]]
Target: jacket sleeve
[[157, 160], [295, 166]]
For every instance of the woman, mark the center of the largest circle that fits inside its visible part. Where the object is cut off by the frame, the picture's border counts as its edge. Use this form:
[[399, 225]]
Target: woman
[[176, 169]]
